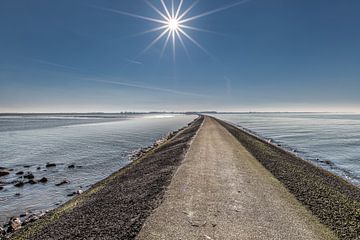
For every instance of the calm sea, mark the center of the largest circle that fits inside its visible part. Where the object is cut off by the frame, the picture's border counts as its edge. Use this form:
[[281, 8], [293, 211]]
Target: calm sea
[[331, 141], [98, 145]]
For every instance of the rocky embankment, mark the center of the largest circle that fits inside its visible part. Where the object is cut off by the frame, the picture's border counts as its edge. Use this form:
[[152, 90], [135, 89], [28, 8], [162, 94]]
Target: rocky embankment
[[334, 201], [116, 207]]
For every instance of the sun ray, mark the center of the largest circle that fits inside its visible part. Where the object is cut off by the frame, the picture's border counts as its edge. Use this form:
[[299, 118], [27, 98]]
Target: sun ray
[[134, 15], [179, 9], [197, 29], [157, 10], [194, 42], [183, 45], [174, 44], [172, 9], [166, 9], [188, 10], [149, 31], [174, 22], [165, 44], [155, 41], [212, 11]]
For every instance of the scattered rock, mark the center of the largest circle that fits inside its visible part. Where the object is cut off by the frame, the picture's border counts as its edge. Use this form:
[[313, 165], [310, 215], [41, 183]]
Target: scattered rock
[[19, 173], [2, 231], [14, 224], [29, 175], [78, 192], [19, 184], [328, 162], [27, 166], [4, 172], [23, 215], [71, 166], [30, 219], [49, 165], [32, 181], [62, 183], [1, 188], [38, 168], [43, 180], [17, 194], [71, 194]]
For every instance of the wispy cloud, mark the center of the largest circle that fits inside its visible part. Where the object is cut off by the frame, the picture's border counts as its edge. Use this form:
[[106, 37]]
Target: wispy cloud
[[53, 64], [140, 86], [133, 61]]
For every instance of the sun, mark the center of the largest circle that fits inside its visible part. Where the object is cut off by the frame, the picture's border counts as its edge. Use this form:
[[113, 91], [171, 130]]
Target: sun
[[175, 24]]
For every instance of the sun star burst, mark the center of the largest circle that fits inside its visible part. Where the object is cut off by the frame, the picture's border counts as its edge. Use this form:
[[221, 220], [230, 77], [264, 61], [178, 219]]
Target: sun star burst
[[174, 23]]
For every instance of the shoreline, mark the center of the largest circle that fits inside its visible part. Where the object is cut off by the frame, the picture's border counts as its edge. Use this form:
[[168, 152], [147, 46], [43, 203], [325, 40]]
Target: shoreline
[[334, 201], [331, 198], [135, 190]]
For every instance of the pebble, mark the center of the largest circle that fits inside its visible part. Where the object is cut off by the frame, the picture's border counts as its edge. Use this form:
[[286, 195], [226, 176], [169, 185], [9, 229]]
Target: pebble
[[4, 172], [49, 165], [38, 168], [32, 181], [19, 184], [71, 166], [27, 166], [43, 180], [29, 175], [62, 183], [20, 173]]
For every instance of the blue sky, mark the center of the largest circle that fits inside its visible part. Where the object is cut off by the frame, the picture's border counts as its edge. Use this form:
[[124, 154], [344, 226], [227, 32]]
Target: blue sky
[[278, 55]]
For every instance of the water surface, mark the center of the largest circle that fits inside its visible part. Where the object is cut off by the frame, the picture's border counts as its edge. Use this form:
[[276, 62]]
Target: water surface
[[96, 145]]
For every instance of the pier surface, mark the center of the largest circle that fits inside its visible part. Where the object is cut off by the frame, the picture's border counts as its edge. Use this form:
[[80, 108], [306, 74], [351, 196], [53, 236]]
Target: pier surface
[[222, 192]]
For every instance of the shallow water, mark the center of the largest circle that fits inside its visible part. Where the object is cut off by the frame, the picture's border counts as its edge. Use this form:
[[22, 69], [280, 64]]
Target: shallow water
[[97, 145], [316, 137]]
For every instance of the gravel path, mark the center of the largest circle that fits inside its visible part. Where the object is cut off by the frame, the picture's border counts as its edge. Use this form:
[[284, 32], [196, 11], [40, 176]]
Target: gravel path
[[222, 192]]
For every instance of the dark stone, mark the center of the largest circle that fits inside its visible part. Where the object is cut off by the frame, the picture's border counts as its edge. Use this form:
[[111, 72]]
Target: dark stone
[[328, 162], [43, 180], [49, 165], [62, 183], [71, 194], [20, 173], [71, 166], [29, 175], [38, 168], [17, 194], [32, 181], [1, 188], [23, 215], [27, 166], [19, 184], [4, 172]]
